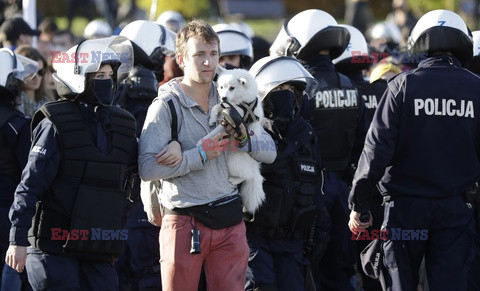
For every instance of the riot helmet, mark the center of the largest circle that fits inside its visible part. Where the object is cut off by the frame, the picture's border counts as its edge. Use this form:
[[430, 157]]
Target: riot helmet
[[356, 47], [385, 36], [97, 29], [72, 74], [474, 64], [234, 42], [15, 68], [282, 83], [441, 31], [141, 83], [171, 19], [151, 42], [244, 27], [308, 32]]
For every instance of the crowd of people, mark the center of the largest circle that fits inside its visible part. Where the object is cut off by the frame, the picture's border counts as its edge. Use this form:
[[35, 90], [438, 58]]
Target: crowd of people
[[368, 150]]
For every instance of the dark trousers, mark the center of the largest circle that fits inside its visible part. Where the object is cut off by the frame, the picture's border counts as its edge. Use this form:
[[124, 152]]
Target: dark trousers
[[145, 256], [58, 272], [275, 264], [337, 265], [447, 247], [10, 280]]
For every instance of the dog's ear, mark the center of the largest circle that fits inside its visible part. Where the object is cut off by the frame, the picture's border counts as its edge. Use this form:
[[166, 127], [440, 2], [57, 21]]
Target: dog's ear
[[219, 70], [242, 81]]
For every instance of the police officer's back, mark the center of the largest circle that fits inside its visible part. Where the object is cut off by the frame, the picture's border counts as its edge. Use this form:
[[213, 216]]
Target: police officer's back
[[423, 147]]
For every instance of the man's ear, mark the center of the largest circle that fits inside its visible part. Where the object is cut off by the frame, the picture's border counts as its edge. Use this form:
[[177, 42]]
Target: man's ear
[[179, 59]]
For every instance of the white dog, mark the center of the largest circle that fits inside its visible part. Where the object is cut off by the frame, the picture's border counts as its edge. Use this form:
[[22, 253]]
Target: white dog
[[239, 88]]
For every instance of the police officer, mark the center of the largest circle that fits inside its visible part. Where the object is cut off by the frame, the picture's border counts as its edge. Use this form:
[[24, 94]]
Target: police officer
[[236, 50], [70, 201], [172, 20], [422, 146], [14, 145], [151, 43], [352, 62], [334, 113], [473, 280], [293, 215]]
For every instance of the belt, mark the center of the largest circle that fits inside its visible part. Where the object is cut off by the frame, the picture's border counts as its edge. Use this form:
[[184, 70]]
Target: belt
[[187, 210]]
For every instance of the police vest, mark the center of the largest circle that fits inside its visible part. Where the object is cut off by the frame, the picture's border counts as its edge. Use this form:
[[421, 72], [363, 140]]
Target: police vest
[[290, 188], [334, 115], [371, 94], [8, 163], [87, 197]]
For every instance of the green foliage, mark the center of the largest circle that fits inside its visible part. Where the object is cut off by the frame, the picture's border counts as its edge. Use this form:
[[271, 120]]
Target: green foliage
[[189, 8], [266, 28], [422, 7]]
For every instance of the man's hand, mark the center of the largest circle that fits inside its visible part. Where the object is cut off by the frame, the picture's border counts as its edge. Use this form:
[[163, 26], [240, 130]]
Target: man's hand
[[355, 225], [171, 155], [217, 148], [16, 257]]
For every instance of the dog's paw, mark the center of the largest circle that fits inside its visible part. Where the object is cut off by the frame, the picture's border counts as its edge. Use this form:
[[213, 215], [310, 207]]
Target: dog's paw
[[235, 180]]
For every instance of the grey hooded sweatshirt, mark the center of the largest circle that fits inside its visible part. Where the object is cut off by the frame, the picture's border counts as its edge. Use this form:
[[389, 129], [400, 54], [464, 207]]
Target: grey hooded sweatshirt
[[191, 182]]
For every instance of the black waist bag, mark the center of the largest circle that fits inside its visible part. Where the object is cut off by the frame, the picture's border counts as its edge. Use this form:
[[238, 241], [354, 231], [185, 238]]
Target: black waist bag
[[218, 214]]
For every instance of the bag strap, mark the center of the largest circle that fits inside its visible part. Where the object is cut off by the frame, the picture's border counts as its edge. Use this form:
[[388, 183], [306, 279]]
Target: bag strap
[[174, 125]]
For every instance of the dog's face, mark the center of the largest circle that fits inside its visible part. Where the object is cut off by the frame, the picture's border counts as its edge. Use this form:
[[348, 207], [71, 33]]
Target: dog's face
[[237, 86]]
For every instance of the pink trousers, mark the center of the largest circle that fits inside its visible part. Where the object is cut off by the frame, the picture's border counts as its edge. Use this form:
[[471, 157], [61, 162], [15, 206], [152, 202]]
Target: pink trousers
[[224, 255]]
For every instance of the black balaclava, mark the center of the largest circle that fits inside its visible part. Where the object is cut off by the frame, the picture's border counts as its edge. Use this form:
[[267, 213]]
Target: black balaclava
[[103, 90], [280, 107]]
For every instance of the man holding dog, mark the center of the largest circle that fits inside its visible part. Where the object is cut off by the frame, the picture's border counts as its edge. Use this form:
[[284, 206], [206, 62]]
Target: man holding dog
[[202, 223]]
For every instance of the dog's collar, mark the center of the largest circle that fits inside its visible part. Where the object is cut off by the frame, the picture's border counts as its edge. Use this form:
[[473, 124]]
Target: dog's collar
[[249, 115], [248, 108]]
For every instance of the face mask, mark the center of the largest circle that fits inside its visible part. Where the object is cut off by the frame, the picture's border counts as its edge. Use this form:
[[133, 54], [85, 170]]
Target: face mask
[[283, 103], [103, 89]]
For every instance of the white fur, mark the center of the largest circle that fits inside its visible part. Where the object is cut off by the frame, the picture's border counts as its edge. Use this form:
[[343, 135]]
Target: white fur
[[239, 86]]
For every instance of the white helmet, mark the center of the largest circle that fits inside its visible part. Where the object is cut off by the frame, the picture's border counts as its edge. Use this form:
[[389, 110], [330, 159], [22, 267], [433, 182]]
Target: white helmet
[[309, 32], [234, 42], [171, 19], [245, 28], [271, 71], [441, 30], [70, 76], [97, 29], [476, 43], [15, 68], [474, 64], [150, 40], [386, 30], [357, 45]]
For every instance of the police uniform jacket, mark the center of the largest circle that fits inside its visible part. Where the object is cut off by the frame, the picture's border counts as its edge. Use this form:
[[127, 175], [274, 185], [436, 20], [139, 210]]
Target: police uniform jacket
[[44, 163], [424, 139]]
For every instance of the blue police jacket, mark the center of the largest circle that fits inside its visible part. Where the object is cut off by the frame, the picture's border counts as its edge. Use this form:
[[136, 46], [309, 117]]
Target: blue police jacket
[[15, 135], [41, 170], [424, 139]]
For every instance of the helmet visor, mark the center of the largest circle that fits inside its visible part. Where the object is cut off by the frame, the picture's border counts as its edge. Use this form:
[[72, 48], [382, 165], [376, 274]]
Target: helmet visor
[[26, 68]]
